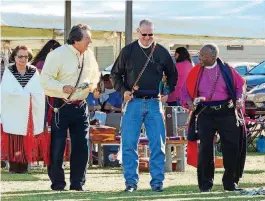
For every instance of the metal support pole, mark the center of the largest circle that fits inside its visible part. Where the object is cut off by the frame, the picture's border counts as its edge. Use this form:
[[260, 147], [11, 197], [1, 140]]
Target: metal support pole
[[67, 19], [128, 22]]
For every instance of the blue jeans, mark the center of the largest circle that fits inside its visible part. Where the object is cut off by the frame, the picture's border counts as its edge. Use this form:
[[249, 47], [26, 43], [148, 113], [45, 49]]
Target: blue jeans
[[149, 112]]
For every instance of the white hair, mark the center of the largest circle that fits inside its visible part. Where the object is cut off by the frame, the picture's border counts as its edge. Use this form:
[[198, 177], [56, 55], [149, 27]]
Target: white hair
[[213, 47], [146, 22]]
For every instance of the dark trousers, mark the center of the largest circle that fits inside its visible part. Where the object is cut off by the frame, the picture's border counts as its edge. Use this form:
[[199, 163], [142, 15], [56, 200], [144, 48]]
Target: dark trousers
[[222, 121], [74, 117]]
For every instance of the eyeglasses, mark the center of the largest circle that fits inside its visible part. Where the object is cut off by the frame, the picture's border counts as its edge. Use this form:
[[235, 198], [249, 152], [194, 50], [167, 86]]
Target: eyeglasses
[[199, 54], [21, 57], [145, 34]]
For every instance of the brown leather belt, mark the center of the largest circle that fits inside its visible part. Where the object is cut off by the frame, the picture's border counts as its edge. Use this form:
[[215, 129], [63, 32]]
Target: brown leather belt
[[76, 102]]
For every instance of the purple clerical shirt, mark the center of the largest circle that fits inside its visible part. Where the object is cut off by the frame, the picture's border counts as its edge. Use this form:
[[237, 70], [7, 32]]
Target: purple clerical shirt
[[206, 84]]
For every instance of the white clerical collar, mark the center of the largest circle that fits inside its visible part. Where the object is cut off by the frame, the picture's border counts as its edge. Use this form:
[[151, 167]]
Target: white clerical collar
[[142, 46], [209, 67]]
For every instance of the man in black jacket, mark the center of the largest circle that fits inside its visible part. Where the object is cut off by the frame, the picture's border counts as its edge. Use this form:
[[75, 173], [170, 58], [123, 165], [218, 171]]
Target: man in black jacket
[[143, 102]]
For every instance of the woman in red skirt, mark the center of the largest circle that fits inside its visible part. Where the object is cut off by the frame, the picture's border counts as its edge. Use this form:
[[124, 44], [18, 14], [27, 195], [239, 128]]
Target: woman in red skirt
[[22, 115]]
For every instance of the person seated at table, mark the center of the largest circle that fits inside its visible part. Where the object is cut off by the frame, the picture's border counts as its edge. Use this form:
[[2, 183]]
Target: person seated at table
[[94, 107], [93, 100], [111, 99], [106, 88], [113, 103]]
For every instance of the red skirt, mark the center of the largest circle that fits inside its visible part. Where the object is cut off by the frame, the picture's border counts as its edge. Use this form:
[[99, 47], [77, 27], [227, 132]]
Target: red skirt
[[23, 149], [28, 148]]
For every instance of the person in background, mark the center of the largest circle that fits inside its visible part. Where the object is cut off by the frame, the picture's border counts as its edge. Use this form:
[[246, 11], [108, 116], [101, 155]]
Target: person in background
[[4, 58], [93, 100], [183, 66], [39, 59], [106, 88], [114, 102], [22, 111], [2, 68], [111, 99], [163, 87], [94, 107]]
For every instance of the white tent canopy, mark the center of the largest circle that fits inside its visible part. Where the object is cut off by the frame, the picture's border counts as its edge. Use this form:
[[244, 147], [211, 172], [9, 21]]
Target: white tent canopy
[[244, 19]]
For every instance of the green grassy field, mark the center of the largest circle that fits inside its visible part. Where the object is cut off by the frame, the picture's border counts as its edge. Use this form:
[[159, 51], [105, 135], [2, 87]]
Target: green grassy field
[[107, 184], [171, 193]]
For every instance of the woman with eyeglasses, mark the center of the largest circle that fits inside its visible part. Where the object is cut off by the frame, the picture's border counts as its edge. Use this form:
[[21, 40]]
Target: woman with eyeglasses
[[22, 115], [39, 59]]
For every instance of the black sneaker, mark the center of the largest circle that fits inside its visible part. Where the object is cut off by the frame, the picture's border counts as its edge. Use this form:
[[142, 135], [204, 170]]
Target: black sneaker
[[58, 189], [233, 189], [76, 188], [157, 189], [130, 189], [205, 190]]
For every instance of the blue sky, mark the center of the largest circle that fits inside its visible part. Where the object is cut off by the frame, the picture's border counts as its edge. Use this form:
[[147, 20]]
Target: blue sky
[[178, 9], [235, 15]]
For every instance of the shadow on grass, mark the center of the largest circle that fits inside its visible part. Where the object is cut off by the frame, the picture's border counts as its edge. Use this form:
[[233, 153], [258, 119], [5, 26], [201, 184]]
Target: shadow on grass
[[252, 153], [32, 176], [67, 171], [177, 193], [245, 172], [19, 177], [254, 171], [32, 171]]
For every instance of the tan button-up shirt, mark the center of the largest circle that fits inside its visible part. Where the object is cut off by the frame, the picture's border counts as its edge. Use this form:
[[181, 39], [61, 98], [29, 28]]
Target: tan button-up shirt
[[62, 67]]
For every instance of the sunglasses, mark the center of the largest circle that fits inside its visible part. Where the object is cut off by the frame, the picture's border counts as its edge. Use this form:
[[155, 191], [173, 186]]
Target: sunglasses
[[145, 34], [21, 57]]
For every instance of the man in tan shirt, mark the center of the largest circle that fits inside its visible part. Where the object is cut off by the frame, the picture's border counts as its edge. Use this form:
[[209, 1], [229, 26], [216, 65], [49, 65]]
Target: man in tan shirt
[[65, 70]]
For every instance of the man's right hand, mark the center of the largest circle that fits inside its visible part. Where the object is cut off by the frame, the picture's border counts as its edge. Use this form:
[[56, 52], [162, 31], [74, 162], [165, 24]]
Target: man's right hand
[[127, 96], [68, 89]]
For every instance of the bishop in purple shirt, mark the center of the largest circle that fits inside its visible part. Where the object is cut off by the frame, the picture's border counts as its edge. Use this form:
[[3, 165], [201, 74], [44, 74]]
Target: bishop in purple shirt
[[221, 89]]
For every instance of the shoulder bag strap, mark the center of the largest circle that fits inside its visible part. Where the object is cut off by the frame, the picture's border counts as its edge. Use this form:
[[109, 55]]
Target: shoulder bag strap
[[79, 76], [134, 88]]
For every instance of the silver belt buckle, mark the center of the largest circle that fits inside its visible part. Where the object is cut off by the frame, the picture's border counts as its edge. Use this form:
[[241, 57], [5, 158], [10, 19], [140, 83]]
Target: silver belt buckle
[[217, 107]]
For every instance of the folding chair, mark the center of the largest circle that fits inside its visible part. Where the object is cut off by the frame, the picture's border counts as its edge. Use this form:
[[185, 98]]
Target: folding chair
[[255, 128], [114, 120]]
